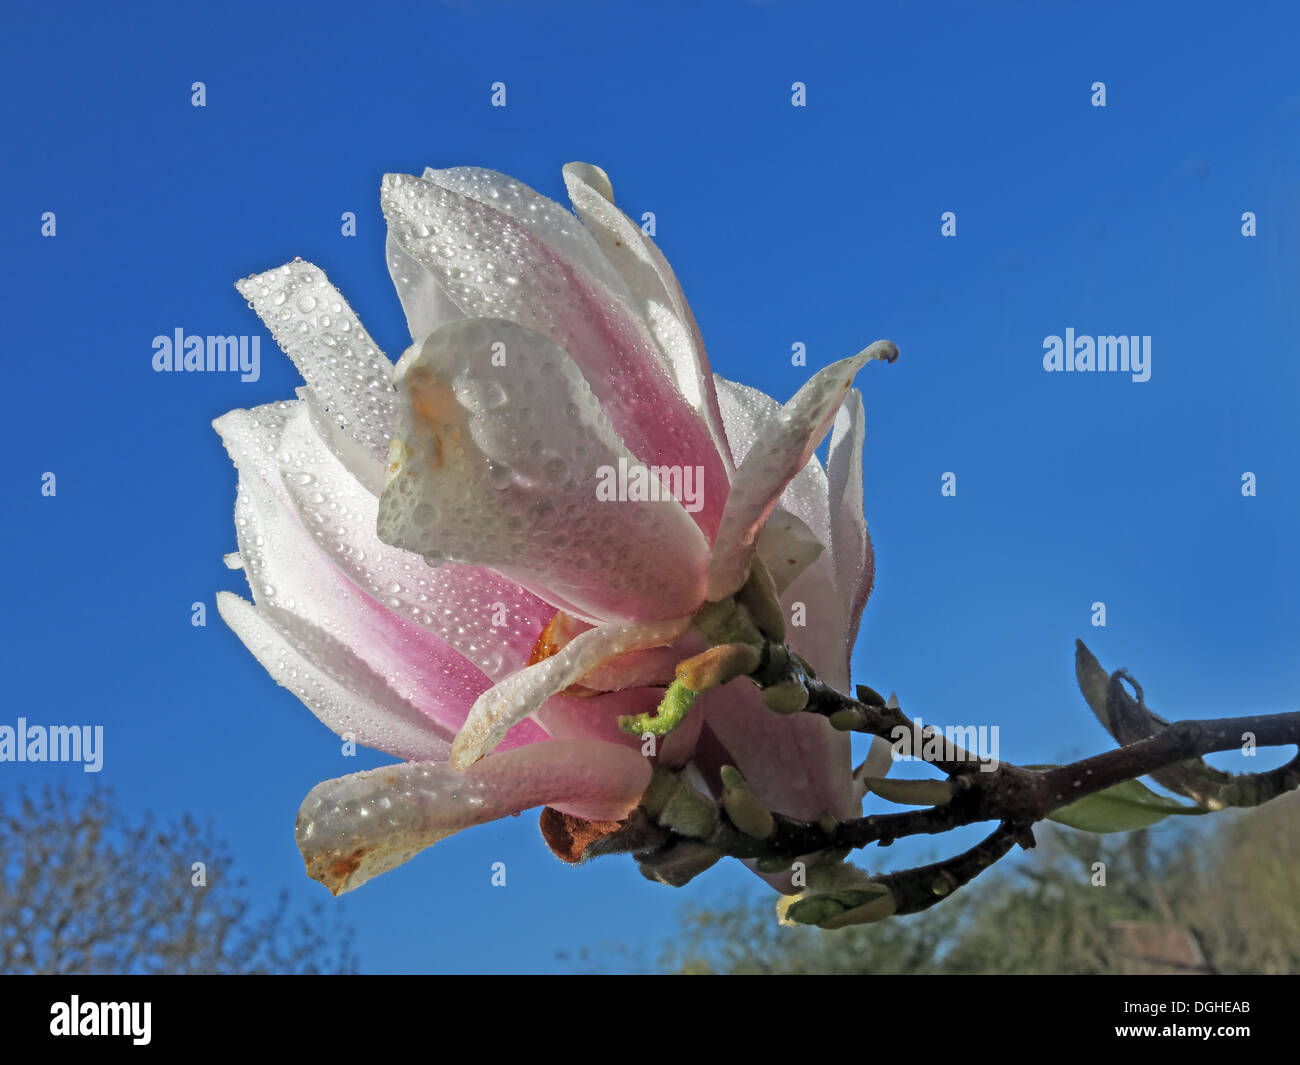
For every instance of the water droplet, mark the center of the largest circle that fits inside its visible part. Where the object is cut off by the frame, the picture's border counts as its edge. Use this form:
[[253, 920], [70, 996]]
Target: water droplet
[[545, 518], [493, 395]]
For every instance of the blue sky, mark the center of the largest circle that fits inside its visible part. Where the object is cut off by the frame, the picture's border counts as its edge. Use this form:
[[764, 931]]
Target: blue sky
[[818, 225]]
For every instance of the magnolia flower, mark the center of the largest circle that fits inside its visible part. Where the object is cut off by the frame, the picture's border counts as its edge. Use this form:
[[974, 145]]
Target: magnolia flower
[[481, 559]]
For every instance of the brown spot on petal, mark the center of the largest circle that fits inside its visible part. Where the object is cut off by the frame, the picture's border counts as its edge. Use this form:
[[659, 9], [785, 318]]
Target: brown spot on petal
[[337, 870], [569, 836], [433, 402]]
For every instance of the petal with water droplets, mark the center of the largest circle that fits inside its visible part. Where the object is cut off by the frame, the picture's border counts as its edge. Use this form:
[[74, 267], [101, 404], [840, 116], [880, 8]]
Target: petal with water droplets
[[347, 374], [783, 448], [355, 827], [514, 698], [512, 464]]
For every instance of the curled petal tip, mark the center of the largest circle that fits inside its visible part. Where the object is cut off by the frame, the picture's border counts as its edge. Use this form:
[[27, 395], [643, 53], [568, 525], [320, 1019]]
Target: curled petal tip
[[593, 176], [884, 350]]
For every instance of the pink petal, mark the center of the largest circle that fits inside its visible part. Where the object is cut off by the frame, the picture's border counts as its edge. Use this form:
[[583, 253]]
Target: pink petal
[[491, 266], [656, 293], [595, 717], [797, 765], [551, 223], [313, 606], [788, 547], [342, 690], [503, 466], [490, 620]]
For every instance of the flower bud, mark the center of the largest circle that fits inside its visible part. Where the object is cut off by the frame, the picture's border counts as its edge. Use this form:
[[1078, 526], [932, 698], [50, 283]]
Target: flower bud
[[758, 595], [718, 665], [911, 792], [788, 697], [747, 813], [868, 913], [679, 863], [848, 719], [688, 813], [870, 696]]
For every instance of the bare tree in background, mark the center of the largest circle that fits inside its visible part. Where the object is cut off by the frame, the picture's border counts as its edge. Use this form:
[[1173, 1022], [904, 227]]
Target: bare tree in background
[[84, 889]]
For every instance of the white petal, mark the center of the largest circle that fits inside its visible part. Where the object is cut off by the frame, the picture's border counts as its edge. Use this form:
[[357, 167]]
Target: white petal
[[540, 215], [340, 689], [423, 301], [502, 465], [745, 411], [783, 448], [878, 762], [788, 547], [350, 378], [655, 291], [355, 827], [822, 639], [850, 543], [514, 698]]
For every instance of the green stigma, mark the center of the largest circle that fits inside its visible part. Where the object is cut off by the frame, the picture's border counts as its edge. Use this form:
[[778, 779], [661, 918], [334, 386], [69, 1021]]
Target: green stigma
[[671, 712]]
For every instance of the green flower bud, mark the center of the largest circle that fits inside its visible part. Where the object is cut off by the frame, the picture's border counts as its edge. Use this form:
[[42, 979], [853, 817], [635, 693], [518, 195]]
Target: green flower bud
[[663, 785], [788, 697], [688, 813], [838, 895], [813, 910], [848, 719], [731, 777], [870, 696], [725, 622], [868, 913], [747, 813], [911, 792], [759, 596]]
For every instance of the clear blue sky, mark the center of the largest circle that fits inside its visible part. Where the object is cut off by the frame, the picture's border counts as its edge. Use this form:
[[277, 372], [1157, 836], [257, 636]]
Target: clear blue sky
[[817, 224]]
